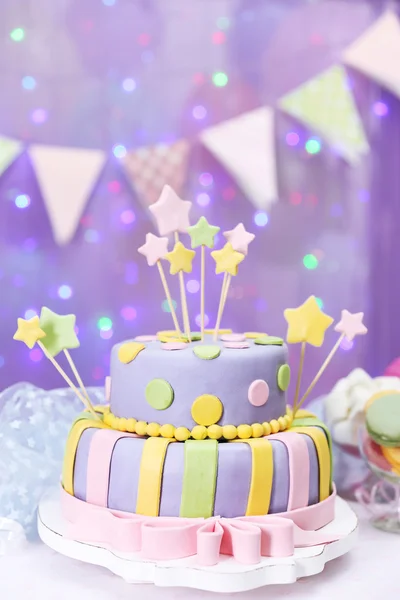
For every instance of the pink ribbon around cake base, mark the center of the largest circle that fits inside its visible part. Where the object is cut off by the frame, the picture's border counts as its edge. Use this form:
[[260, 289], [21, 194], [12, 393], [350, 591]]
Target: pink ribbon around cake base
[[247, 539]]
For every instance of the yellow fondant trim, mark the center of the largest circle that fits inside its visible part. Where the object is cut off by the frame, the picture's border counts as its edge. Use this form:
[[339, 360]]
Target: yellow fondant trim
[[199, 432], [324, 458], [262, 472], [70, 452], [150, 476]]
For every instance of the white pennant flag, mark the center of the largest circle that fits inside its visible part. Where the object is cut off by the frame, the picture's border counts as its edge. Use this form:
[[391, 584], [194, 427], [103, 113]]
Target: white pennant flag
[[66, 178], [376, 53], [245, 146]]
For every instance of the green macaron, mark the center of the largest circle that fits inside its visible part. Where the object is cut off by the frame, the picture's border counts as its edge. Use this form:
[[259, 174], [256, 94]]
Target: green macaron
[[383, 420]]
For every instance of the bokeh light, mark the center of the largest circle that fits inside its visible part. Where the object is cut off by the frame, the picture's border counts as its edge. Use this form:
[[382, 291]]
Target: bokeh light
[[114, 187], [193, 286], [206, 320], [203, 199], [144, 39], [363, 195], [165, 305], [218, 37], [28, 82], [127, 217], [313, 146], [220, 79], [129, 84], [228, 193], [292, 138], [30, 313], [36, 355], [206, 179], [380, 109], [109, 2], [223, 22], [64, 292], [310, 261], [128, 313], [199, 112], [261, 218], [346, 344], [295, 198], [92, 236], [22, 201], [106, 334], [319, 302], [39, 116], [104, 323], [98, 373], [119, 151], [17, 34]]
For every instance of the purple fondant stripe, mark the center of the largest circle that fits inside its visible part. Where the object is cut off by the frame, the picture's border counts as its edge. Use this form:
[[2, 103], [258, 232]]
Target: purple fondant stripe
[[232, 494], [280, 480], [172, 480], [81, 463], [124, 474]]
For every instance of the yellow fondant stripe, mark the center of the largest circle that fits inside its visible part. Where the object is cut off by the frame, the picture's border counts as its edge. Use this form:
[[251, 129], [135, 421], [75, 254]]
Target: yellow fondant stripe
[[150, 476], [72, 445], [324, 457], [262, 472]]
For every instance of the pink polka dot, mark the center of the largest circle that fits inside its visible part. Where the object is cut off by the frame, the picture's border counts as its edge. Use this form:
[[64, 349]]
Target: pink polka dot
[[174, 346], [233, 337], [258, 392], [237, 345], [146, 338]]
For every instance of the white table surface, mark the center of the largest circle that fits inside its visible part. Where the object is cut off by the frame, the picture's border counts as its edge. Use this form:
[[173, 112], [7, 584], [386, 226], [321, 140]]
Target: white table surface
[[370, 572]]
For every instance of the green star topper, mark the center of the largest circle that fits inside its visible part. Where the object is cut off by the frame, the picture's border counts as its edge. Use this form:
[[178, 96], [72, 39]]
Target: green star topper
[[202, 234], [59, 330]]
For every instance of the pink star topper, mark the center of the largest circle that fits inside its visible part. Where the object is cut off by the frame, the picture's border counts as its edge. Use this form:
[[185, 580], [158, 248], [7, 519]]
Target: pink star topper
[[239, 238], [351, 325], [154, 249], [171, 213]]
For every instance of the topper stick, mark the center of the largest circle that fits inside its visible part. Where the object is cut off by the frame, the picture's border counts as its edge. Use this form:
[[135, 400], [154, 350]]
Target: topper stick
[[77, 376], [320, 372], [299, 374], [224, 293], [169, 299], [202, 284], [185, 313], [66, 378]]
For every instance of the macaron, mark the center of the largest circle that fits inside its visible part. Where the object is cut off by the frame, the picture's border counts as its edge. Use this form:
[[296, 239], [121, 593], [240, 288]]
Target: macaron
[[382, 418]]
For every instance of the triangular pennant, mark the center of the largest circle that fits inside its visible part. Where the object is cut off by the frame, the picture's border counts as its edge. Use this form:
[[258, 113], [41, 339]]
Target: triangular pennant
[[245, 146], [66, 178], [376, 53], [151, 167], [325, 105], [9, 150]]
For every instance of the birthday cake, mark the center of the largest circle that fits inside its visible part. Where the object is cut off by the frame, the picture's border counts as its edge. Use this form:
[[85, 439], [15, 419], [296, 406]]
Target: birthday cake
[[197, 452]]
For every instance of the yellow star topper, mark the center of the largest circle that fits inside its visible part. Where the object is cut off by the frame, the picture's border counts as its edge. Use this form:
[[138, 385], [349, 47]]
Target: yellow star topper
[[180, 258], [227, 260], [307, 323], [29, 331]]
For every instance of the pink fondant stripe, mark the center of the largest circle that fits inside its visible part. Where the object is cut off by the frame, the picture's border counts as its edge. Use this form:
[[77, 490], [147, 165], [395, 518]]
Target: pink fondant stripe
[[99, 463], [299, 468]]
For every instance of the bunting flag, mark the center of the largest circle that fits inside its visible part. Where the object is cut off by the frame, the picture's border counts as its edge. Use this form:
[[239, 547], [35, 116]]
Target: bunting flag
[[66, 178], [245, 146], [9, 150], [325, 104], [151, 167], [376, 52]]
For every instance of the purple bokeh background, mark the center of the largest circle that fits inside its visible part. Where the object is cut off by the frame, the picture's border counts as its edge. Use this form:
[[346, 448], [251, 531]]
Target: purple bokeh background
[[79, 54]]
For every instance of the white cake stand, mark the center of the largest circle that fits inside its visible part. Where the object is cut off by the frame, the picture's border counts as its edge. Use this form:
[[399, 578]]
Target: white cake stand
[[227, 576]]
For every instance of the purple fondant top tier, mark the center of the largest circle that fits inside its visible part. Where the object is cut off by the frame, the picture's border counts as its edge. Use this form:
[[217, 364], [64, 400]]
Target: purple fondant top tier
[[228, 377]]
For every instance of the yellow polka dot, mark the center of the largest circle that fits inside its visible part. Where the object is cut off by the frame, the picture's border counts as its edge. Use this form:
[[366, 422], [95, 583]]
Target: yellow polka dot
[[257, 430], [244, 432], [129, 351], [220, 331], [182, 434], [214, 432], [167, 431], [207, 410], [267, 428], [169, 339], [274, 426], [167, 333], [141, 427], [229, 432], [253, 335], [131, 425], [199, 432], [153, 429]]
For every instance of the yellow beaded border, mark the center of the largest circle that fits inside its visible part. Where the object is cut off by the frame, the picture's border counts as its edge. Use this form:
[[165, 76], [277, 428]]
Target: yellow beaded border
[[199, 432]]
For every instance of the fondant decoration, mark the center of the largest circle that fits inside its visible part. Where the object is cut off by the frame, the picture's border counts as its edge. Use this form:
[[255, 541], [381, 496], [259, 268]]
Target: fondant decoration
[[199, 480], [307, 323], [151, 470], [261, 477], [253, 335], [59, 330], [299, 468], [244, 432], [159, 394], [268, 340], [236, 345], [314, 422], [29, 331], [258, 392], [233, 337], [165, 339], [170, 212], [227, 260], [207, 410], [207, 352], [319, 438], [129, 351], [174, 346], [147, 338], [220, 331], [180, 259], [239, 238], [154, 249], [351, 325], [202, 234], [107, 388], [383, 419], [283, 377]]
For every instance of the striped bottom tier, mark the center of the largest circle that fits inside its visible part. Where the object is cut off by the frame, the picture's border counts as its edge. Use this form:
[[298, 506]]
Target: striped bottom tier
[[162, 477]]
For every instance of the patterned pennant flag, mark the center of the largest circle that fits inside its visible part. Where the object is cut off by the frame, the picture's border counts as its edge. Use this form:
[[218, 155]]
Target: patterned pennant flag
[[9, 150], [326, 105]]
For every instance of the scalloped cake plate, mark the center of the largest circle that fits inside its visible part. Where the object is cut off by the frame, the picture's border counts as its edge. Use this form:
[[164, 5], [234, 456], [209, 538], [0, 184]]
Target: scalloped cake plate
[[227, 576]]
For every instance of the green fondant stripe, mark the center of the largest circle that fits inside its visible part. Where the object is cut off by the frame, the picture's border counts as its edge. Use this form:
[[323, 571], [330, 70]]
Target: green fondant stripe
[[199, 478], [314, 422]]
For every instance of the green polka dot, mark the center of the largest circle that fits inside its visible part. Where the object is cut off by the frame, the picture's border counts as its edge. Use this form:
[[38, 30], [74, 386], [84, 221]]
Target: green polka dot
[[195, 336], [284, 377], [159, 394], [269, 340], [207, 352]]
